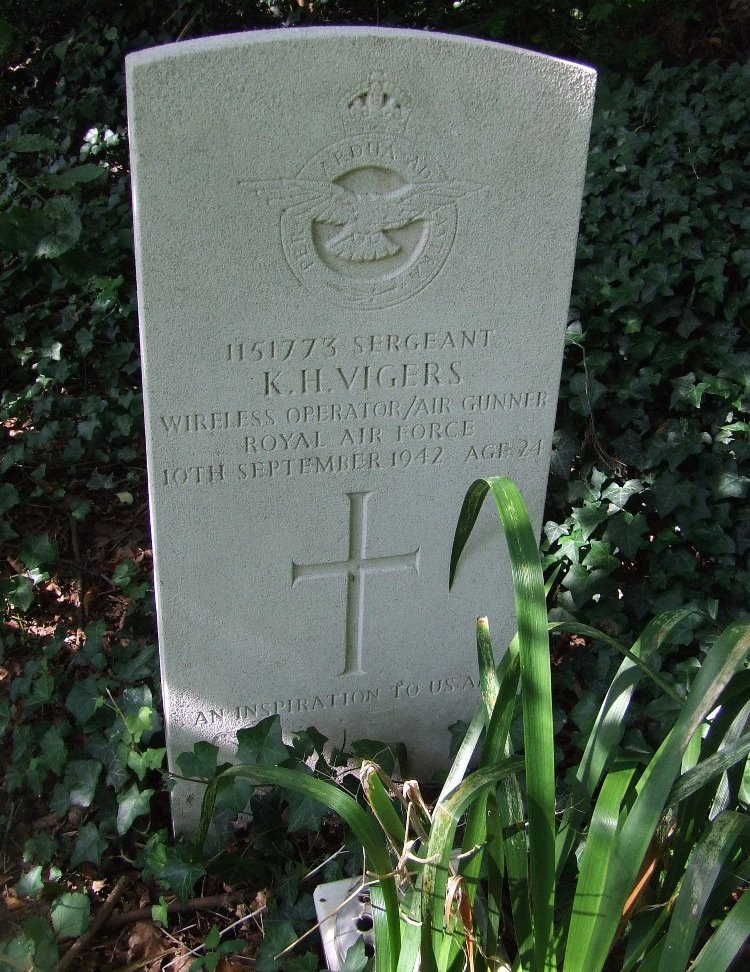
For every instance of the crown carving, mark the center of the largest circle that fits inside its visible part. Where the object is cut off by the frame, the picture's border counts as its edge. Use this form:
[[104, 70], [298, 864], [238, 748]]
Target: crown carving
[[377, 106]]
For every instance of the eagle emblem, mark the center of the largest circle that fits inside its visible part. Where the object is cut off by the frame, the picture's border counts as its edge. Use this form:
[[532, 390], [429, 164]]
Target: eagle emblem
[[370, 220], [365, 221]]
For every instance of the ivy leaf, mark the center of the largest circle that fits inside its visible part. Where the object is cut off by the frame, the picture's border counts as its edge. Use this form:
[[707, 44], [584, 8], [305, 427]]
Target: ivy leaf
[[46, 954], [133, 803], [588, 517], [81, 509], [81, 777], [304, 813], [41, 847], [356, 959], [59, 801], [42, 690], [731, 485], [308, 962], [97, 481], [142, 665], [141, 718], [53, 749], [278, 936], [142, 763], [31, 143], [19, 950], [75, 176], [179, 873], [124, 573], [584, 714], [627, 532], [84, 699], [65, 218], [232, 797], [619, 494], [139, 723], [583, 584], [9, 497], [670, 493], [160, 912], [112, 752], [39, 551], [70, 914], [386, 756], [687, 389], [89, 845], [201, 763], [30, 884], [564, 451], [21, 594], [600, 557], [92, 648], [262, 744]]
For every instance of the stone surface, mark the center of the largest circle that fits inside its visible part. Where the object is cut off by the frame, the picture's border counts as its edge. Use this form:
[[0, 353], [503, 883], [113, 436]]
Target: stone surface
[[354, 250]]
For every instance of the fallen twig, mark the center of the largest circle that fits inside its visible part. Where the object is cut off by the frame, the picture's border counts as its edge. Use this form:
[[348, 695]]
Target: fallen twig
[[66, 962], [194, 904]]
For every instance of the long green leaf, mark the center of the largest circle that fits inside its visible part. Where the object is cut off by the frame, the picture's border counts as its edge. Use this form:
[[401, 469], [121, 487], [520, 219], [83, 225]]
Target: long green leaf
[[385, 958], [695, 779], [574, 627], [475, 832], [726, 725], [609, 725], [510, 837], [439, 846], [646, 953], [595, 864], [381, 806], [411, 929], [727, 653], [465, 751], [536, 691], [709, 858], [489, 681], [723, 946]]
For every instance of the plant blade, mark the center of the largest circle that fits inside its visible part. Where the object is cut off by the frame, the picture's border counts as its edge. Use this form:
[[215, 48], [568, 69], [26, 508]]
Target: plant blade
[[703, 871], [633, 840], [536, 691]]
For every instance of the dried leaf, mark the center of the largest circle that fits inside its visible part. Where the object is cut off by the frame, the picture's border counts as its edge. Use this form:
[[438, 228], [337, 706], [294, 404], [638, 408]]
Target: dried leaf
[[227, 964], [182, 962], [144, 941]]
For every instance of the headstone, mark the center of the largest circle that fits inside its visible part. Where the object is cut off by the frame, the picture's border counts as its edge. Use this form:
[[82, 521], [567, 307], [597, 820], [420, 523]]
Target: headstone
[[354, 251]]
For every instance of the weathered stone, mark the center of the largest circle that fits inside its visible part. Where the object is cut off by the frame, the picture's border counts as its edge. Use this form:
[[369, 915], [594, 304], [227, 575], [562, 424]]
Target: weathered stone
[[354, 250]]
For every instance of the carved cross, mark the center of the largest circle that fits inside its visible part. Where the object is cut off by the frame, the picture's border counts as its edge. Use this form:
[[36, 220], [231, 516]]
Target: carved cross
[[355, 568]]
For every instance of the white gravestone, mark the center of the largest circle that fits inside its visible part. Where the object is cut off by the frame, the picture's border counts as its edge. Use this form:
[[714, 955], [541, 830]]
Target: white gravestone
[[354, 251]]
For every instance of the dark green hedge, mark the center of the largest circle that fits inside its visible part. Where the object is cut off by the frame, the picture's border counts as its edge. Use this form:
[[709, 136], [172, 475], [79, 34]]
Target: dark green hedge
[[653, 422]]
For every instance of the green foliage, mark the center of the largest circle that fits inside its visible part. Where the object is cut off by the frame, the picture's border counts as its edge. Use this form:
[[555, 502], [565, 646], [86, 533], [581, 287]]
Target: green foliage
[[529, 889], [653, 421], [70, 915], [33, 948], [214, 949], [89, 753]]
